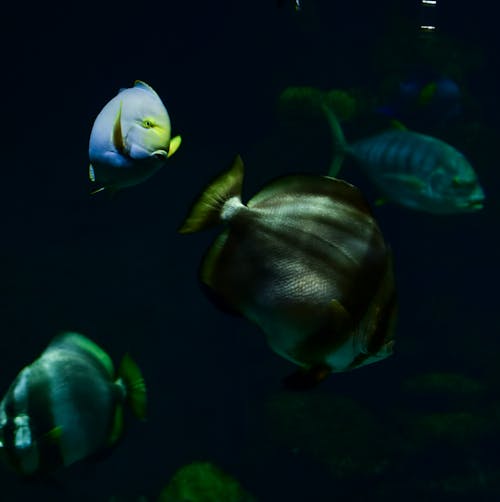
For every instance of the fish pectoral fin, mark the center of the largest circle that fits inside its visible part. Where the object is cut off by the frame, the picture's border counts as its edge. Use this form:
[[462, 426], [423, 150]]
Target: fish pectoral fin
[[131, 376], [97, 190], [405, 179], [339, 314], [117, 132], [175, 143], [54, 435]]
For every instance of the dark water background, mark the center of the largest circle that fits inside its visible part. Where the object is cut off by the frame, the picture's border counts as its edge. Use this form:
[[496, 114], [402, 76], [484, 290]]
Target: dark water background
[[117, 271]]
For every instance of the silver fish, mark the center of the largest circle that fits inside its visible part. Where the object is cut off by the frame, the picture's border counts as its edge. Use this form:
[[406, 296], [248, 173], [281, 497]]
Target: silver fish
[[412, 169], [306, 261], [66, 406]]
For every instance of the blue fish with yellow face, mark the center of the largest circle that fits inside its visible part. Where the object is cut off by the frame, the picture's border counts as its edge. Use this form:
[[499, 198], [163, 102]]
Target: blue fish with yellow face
[[67, 406], [130, 139], [306, 261]]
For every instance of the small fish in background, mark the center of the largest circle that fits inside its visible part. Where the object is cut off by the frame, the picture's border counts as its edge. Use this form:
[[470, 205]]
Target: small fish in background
[[67, 405], [305, 260], [424, 100], [414, 170], [130, 139]]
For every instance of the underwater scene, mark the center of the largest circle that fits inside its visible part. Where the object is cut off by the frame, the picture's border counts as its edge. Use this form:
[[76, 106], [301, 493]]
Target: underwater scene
[[249, 252]]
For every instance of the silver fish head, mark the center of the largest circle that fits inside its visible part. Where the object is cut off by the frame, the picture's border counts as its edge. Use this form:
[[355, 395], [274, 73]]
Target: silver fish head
[[456, 186]]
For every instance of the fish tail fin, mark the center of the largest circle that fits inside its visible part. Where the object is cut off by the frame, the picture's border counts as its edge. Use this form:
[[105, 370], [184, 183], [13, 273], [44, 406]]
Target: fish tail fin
[[338, 138], [323, 104], [207, 210], [135, 388]]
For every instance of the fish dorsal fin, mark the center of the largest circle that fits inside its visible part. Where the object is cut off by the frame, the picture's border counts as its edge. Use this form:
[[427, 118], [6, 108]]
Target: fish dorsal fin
[[174, 145], [427, 92], [142, 85], [398, 126], [310, 184], [117, 131], [80, 343], [207, 209], [135, 387]]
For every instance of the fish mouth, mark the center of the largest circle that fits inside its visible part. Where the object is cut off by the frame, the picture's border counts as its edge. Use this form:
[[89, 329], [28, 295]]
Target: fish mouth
[[160, 154], [475, 205], [476, 201]]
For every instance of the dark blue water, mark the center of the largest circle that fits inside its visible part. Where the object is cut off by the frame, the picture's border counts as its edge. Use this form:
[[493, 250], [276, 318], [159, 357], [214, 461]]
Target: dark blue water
[[118, 271]]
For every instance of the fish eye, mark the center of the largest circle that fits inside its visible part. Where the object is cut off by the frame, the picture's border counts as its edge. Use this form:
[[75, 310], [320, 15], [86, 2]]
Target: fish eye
[[148, 124]]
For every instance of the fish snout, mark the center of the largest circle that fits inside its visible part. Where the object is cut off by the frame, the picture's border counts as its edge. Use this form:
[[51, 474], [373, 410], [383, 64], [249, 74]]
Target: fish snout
[[160, 155], [475, 200]]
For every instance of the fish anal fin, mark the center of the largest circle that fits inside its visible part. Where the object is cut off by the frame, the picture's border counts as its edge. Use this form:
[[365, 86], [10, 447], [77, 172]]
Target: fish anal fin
[[380, 201]]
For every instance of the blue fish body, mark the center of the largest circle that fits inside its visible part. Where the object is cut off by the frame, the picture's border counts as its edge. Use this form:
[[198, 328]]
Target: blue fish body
[[419, 171], [130, 139]]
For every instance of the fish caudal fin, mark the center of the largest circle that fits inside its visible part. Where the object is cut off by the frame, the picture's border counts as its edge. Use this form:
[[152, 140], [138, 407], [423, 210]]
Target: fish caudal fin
[[206, 211], [315, 102], [339, 142], [135, 387]]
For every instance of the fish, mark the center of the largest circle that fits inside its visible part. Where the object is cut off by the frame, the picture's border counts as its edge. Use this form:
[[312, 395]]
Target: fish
[[424, 99], [420, 172], [67, 405], [130, 139], [412, 169], [306, 261]]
